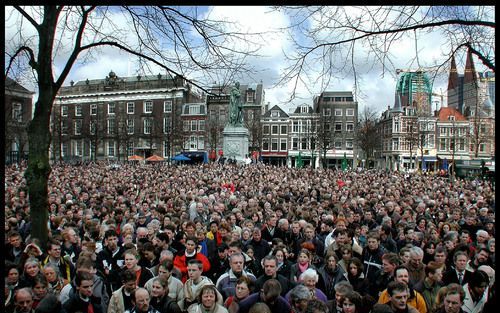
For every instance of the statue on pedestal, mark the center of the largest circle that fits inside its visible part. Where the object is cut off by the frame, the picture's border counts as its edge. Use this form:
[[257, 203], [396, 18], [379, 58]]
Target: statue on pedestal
[[235, 106]]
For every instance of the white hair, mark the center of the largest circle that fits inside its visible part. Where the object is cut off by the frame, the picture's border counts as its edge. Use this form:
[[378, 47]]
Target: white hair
[[309, 273]]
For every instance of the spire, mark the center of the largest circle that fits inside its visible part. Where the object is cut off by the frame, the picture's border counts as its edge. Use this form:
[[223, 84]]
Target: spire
[[470, 71], [453, 78]]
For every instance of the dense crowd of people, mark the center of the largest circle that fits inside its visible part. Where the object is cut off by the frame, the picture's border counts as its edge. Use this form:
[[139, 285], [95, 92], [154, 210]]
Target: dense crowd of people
[[228, 238]]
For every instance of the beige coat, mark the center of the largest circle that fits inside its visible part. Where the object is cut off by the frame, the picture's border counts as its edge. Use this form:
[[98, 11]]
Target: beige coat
[[116, 304]]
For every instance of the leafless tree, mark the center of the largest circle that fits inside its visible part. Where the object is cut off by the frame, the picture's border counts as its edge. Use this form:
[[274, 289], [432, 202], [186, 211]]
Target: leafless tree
[[365, 135], [176, 39], [335, 41], [254, 126], [324, 135]]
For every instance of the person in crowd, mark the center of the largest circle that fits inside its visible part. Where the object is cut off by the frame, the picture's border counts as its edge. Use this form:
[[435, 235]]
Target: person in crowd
[[431, 284], [270, 265], [413, 297], [208, 301], [476, 292], [385, 275], [160, 299], [353, 303], [270, 295], [452, 296], [244, 287], [284, 265], [309, 279], [195, 282], [303, 263], [316, 306], [356, 277], [31, 270], [86, 265], [110, 260], [175, 286], [299, 296], [330, 274], [226, 283], [398, 297], [14, 247], [66, 268], [141, 301], [23, 301], [372, 255], [83, 300], [121, 299], [341, 290], [260, 246], [143, 274], [12, 276], [54, 280], [459, 273], [219, 262], [190, 253], [70, 246], [40, 289], [415, 266]]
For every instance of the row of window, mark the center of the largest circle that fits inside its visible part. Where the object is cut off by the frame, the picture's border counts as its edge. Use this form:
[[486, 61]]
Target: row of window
[[304, 127], [338, 99], [338, 112], [77, 147], [130, 126], [111, 108], [276, 144]]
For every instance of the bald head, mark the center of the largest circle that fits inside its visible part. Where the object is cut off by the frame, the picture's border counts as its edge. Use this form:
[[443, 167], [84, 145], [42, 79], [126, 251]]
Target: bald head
[[23, 300]]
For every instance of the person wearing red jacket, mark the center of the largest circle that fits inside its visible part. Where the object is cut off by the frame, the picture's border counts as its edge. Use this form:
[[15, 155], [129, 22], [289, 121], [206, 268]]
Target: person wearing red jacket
[[181, 261]]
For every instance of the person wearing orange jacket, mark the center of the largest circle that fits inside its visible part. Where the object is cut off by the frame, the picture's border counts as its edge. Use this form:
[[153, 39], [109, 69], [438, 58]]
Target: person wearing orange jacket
[[181, 261]]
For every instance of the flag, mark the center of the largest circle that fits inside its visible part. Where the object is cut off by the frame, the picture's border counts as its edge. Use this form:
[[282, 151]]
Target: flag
[[299, 163], [344, 162]]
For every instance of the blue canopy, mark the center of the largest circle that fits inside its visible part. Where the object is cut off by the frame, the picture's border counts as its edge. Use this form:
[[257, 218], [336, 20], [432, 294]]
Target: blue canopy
[[181, 157]]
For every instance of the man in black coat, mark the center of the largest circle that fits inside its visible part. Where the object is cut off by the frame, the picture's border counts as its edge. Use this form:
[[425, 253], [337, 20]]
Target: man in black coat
[[110, 260], [457, 274], [83, 300], [261, 247], [270, 264]]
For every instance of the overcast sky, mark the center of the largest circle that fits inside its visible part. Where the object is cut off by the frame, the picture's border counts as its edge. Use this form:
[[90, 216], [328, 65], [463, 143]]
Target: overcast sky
[[376, 91]]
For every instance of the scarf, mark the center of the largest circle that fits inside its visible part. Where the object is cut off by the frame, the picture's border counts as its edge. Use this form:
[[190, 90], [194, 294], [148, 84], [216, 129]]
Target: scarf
[[304, 267]]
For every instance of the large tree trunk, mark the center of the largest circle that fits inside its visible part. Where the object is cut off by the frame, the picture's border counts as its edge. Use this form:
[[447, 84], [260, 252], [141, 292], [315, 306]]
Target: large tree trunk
[[38, 171]]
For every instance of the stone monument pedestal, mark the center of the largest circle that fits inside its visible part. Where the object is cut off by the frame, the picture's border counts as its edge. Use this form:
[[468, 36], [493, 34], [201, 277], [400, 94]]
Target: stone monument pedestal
[[235, 143]]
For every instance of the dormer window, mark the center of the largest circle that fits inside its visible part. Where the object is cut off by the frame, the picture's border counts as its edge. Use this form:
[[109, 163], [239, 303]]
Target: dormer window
[[451, 118], [275, 114]]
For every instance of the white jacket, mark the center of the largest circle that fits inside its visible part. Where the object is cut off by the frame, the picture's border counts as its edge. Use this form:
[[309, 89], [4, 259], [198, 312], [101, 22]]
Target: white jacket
[[469, 306]]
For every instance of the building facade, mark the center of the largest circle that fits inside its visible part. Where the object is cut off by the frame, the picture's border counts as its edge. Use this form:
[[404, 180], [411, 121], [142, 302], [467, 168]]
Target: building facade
[[337, 121], [465, 130], [275, 136], [18, 114], [114, 117]]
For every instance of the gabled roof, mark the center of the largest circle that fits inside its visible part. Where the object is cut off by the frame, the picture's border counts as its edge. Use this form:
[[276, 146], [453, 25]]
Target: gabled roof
[[12, 85], [298, 109], [282, 113], [443, 114]]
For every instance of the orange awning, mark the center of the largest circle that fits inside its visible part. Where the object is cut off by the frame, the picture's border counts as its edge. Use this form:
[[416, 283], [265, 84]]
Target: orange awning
[[135, 158], [155, 158]]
